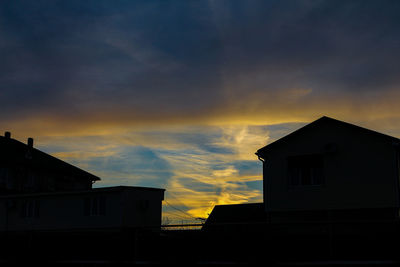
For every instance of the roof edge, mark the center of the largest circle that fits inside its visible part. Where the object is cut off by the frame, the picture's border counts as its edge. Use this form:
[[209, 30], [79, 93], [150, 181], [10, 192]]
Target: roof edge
[[262, 150]]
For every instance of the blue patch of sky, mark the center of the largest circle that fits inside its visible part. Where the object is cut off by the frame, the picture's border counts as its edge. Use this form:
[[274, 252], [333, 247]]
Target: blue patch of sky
[[196, 185], [140, 162], [201, 137], [257, 185], [248, 167]]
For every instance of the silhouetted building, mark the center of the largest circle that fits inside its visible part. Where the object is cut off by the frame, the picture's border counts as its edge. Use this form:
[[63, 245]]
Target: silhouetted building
[[40, 192], [25, 169], [236, 217], [119, 207], [331, 170]]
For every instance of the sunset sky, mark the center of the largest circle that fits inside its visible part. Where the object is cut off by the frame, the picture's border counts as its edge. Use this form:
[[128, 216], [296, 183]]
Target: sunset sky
[[180, 94]]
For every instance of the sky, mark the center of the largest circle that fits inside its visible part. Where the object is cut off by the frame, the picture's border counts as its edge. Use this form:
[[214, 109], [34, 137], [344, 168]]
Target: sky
[[180, 94]]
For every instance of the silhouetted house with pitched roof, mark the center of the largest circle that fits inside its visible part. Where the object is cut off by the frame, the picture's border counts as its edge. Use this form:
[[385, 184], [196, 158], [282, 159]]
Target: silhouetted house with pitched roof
[[331, 190], [331, 170], [40, 192], [25, 169]]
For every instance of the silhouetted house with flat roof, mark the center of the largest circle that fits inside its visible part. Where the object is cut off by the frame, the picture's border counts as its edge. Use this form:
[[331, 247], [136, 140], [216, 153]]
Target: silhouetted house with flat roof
[[236, 217], [112, 208], [331, 170], [39, 192]]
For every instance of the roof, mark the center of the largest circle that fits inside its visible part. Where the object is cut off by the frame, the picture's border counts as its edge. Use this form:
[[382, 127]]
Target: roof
[[317, 123], [237, 214], [132, 188], [17, 153]]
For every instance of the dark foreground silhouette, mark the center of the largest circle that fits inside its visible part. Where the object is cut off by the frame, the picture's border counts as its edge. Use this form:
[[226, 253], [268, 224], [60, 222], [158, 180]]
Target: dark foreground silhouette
[[257, 243]]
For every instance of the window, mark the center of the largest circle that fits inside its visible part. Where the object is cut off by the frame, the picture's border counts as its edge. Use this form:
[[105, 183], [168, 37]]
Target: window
[[30, 208], [3, 176], [31, 182], [306, 170], [143, 205], [95, 206]]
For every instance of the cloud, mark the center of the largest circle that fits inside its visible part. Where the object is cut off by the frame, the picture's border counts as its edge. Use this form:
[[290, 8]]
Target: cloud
[[198, 166], [115, 162], [182, 94], [95, 64], [203, 178], [228, 172]]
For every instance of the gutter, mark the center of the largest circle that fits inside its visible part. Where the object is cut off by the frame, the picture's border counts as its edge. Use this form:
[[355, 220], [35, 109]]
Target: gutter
[[259, 157], [397, 174]]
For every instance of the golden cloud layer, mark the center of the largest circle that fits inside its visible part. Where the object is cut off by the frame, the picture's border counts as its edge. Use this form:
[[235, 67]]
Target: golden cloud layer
[[257, 108], [101, 135]]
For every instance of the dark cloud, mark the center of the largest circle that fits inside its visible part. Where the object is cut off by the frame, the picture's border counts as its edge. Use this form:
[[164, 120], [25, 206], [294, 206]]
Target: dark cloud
[[157, 60], [72, 65], [325, 45]]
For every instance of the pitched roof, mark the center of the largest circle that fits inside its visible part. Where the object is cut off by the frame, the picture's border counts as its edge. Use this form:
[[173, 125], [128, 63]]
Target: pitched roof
[[17, 153], [317, 123]]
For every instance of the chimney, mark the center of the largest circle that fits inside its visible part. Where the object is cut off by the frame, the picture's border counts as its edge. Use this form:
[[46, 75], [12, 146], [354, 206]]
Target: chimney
[[30, 142], [7, 135]]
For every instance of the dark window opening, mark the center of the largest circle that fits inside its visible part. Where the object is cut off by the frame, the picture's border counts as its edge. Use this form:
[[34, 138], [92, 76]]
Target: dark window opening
[[306, 170], [95, 206], [143, 205], [30, 209]]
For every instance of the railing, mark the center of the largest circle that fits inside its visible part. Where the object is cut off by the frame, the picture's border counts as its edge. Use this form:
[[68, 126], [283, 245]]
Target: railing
[[190, 226]]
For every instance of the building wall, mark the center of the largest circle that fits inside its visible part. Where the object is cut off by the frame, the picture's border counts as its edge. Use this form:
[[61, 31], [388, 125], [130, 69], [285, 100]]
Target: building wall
[[142, 210], [95, 209], [360, 171], [18, 178]]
